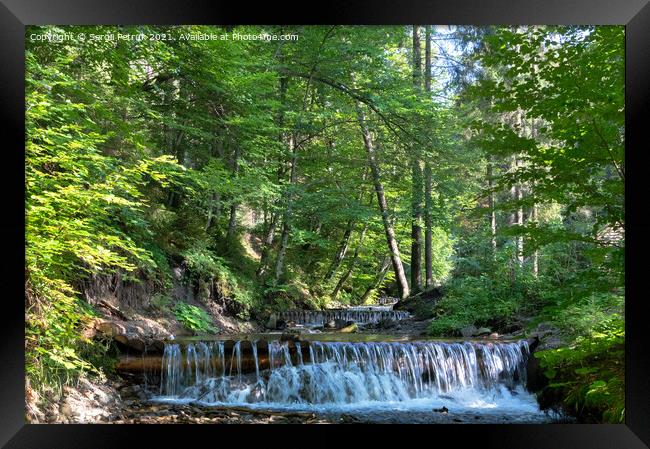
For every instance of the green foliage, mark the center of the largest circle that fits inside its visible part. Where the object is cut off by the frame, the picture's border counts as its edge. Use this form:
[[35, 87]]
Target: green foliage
[[160, 303], [52, 334], [293, 295], [579, 317], [495, 299], [589, 373], [442, 262], [84, 212], [143, 157], [208, 269], [194, 318]]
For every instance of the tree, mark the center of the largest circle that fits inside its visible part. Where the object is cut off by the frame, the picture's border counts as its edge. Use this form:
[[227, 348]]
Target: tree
[[396, 260], [417, 181]]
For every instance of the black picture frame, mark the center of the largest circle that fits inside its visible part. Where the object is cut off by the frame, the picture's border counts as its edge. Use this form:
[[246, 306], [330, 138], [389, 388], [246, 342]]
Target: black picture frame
[[16, 14]]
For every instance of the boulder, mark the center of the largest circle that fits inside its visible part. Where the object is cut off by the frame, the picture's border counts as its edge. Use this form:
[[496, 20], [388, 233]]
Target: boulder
[[350, 328], [343, 323], [138, 334], [482, 331], [468, 331], [337, 323]]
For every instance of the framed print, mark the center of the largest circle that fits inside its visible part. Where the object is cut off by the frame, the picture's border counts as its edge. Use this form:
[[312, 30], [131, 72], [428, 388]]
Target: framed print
[[378, 215]]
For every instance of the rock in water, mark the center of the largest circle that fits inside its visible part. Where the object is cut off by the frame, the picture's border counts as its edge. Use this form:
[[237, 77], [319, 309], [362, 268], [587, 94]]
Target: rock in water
[[339, 323], [468, 331], [349, 329]]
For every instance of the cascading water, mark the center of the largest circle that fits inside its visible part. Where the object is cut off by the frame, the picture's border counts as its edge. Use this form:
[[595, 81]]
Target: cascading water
[[361, 316], [351, 375], [371, 308]]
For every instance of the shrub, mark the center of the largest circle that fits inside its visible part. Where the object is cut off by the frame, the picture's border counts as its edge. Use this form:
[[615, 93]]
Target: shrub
[[160, 303], [194, 318], [484, 300], [589, 374], [205, 268]]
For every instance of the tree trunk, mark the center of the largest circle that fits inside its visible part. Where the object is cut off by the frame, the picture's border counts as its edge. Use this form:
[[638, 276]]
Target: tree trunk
[[232, 223], [268, 242], [343, 246], [293, 148], [533, 212], [270, 233], [428, 223], [416, 175], [173, 197], [383, 270], [417, 58], [416, 228], [493, 213], [286, 222], [353, 263], [519, 197], [533, 216], [519, 221], [215, 197], [393, 247], [428, 203], [340, 254], [427, 59]]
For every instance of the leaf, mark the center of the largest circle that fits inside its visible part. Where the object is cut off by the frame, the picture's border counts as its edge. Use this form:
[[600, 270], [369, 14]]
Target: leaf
[[550, 373]]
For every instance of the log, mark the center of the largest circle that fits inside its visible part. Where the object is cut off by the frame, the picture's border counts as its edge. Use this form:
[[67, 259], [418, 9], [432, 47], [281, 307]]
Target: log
[[152, 363]]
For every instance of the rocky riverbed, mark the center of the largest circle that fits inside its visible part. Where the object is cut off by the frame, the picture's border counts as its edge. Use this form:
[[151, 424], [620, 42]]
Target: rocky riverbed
[[196, 414]]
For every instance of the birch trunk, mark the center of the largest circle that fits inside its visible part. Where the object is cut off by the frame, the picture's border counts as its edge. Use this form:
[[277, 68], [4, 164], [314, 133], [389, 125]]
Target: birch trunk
[[393, 247]]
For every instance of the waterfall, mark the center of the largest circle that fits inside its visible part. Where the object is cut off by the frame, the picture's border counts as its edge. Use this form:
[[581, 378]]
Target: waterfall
[[361, 315], [257, 362], [340, 372], [371, 308]]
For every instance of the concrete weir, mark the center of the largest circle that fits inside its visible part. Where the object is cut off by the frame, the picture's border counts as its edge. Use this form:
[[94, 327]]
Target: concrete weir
[[359, 315], [248, 355], [325, 374]]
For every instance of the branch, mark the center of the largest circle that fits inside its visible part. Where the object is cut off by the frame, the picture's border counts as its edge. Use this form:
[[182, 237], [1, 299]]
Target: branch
[[619, 170], [356, 95]]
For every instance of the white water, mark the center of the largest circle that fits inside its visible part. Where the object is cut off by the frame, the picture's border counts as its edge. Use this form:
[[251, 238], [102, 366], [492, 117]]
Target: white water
[[385, 378], [361, 315]]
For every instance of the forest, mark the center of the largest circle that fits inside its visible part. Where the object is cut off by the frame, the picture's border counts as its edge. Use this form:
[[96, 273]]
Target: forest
[[472, 175]]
